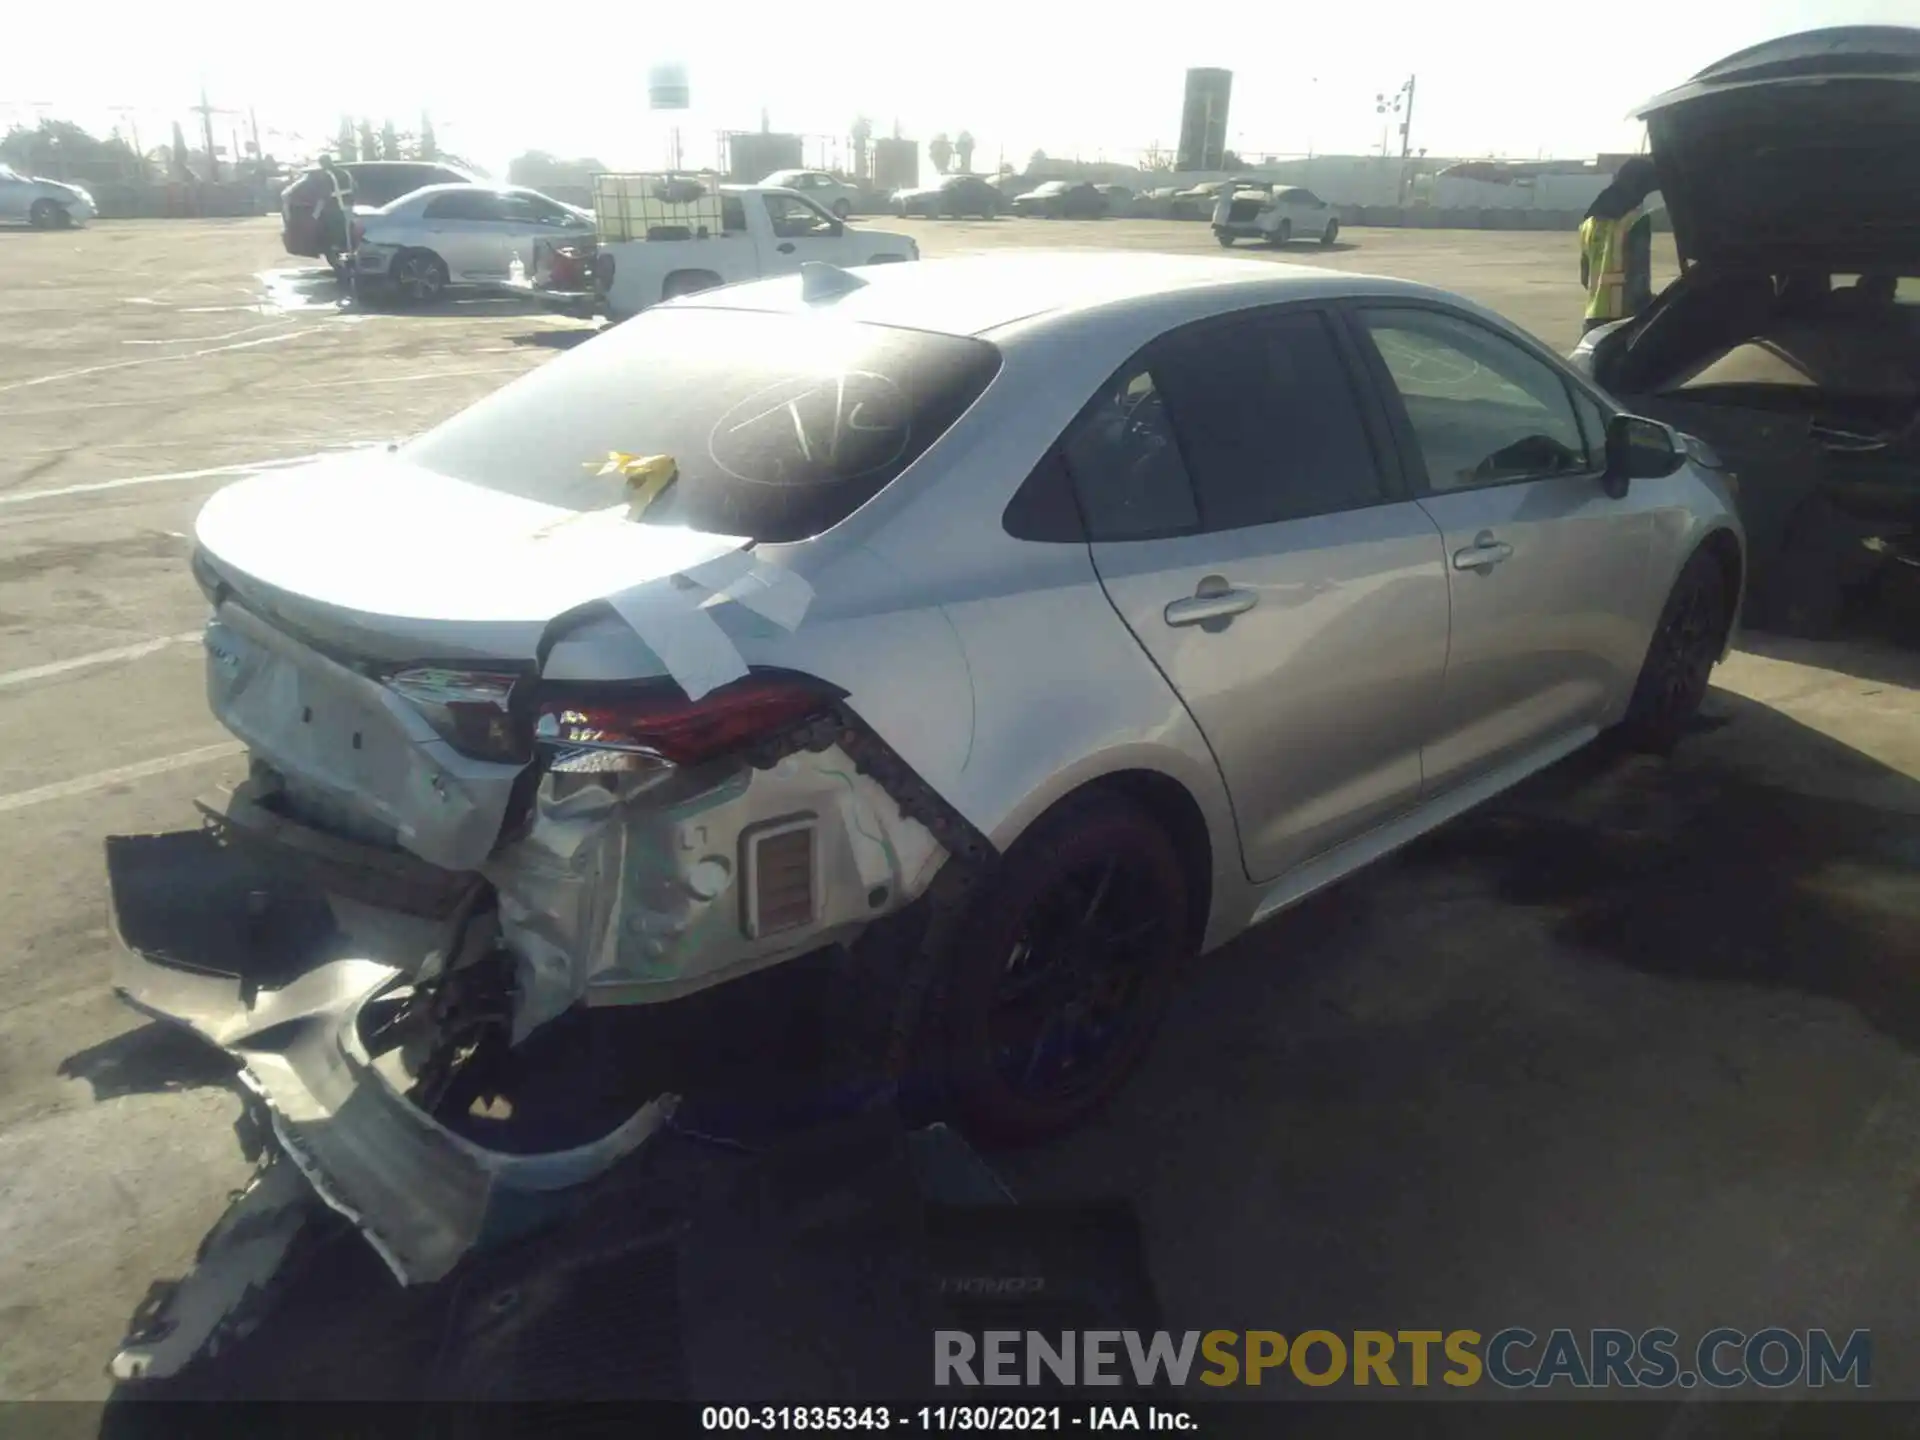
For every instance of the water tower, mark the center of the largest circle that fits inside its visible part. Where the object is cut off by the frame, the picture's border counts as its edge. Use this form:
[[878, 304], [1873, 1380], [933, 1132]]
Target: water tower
[[1203, 120], [667, 90]]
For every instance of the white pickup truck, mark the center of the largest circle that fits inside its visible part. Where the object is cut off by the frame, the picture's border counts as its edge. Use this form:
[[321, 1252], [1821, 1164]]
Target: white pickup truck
[[658, 236]]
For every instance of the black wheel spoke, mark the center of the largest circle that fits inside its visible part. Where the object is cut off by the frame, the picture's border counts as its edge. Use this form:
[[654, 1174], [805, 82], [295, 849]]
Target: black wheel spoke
[[1099, 894], [1069, 986]]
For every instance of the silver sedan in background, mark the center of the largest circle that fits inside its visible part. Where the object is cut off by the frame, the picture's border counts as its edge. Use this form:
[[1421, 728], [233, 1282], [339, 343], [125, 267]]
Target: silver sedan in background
[[996, 635], [43, 204], [455, 236]]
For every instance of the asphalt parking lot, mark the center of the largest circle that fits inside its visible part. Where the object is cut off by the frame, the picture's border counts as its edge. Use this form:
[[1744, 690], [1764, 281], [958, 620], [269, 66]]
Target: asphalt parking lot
[[1638, 1046]]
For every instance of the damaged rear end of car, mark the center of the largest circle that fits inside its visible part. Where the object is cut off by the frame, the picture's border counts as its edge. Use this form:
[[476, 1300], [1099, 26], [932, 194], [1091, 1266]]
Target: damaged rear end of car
[[521, 750]]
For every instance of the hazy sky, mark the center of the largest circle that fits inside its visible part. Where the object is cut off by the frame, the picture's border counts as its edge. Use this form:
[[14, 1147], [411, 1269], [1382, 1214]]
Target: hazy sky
[[1495, 76]]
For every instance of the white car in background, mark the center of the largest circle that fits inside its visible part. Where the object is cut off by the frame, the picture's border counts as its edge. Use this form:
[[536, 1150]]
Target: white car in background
[[43, 204], [1274, 214], [460, 235], [828, 193]]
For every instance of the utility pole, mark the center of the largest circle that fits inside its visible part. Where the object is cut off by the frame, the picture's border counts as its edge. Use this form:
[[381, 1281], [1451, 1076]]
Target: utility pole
[[1399, 104], [206, 130], [1406, 138]]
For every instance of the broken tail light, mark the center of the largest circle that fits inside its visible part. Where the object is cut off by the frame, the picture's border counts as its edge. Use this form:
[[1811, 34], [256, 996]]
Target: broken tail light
[[647, 728], [472, 710]]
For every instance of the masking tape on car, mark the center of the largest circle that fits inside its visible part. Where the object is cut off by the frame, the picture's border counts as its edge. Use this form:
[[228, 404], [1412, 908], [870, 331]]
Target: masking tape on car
[[678, 626], [689, 641], [770, 592]]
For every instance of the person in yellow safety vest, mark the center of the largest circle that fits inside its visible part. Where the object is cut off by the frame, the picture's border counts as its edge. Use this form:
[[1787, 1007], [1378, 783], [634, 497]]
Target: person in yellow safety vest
[[1616, 246], [336, 209]]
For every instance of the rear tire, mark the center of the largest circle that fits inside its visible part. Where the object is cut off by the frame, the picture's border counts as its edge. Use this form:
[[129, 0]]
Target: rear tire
[[1058, 975], [1686, 645], [419, 277], [842, 209], [46, 215], [1331, 234]]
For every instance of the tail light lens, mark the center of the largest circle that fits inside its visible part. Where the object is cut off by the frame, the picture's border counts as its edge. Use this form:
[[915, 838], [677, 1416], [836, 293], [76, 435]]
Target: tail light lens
[[472, 710], [645, 729]]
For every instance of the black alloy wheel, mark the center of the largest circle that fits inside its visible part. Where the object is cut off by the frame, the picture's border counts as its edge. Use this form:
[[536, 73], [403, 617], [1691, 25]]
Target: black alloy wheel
[[420, 276], [1686, 645], [1061, 974]]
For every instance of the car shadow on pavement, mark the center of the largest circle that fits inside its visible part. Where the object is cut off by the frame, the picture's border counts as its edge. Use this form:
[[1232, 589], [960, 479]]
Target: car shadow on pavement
[[153, 1058], [1696, 872], [555, 339], [1582, 1057]]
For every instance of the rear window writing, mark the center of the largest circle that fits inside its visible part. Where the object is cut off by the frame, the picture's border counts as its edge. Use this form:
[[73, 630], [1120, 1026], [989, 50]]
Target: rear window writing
[[781, 426]]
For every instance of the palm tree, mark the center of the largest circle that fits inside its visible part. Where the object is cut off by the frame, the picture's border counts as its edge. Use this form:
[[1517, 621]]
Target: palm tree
[[963, 151], [940, 151]]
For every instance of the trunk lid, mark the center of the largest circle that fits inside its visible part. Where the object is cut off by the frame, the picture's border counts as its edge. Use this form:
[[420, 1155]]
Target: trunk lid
[[331, 579], [403, 562], [1803, 151]]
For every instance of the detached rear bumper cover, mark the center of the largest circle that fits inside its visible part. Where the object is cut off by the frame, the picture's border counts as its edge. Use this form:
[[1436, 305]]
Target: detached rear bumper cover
[[422, 1195]]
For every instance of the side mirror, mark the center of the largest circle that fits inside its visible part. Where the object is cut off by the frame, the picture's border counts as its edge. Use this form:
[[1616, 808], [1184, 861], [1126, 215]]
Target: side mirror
[[1639, 449]]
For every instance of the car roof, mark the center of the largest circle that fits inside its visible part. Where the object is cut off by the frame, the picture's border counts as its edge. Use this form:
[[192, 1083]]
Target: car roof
[[446, 187], [979, 294]]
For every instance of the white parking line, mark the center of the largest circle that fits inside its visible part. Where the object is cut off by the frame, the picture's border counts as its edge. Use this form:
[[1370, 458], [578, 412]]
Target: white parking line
[[203, 339], [21, 497], [121, 775], [156, 360], [11, 678]]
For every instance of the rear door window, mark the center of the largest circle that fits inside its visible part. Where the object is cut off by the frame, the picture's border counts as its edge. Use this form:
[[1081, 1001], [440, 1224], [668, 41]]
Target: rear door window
[[1126, 464], [780, 426], [471, 205], [1268, 418]]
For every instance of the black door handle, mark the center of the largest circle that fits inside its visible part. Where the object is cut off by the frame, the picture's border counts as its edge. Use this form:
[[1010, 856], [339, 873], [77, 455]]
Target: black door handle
[[785, 248]]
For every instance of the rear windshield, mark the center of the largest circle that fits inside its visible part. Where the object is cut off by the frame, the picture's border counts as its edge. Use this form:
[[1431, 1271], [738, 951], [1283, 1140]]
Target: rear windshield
[[781, 426]]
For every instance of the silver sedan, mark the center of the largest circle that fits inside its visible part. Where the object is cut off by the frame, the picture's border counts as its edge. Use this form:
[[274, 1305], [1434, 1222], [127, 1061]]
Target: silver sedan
[[448, 236], [985, 638], [43, 204]]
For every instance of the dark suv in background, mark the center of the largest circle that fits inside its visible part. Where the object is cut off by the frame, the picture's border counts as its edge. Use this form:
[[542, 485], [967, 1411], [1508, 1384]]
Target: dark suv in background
[[375, 182]]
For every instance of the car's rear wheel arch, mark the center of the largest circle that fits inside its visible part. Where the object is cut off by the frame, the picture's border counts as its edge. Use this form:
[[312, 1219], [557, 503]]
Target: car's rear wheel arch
[[1170, 805]]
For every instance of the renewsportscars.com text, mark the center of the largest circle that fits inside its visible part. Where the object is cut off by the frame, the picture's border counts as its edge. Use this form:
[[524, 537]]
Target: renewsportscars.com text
[[1515, 1358]]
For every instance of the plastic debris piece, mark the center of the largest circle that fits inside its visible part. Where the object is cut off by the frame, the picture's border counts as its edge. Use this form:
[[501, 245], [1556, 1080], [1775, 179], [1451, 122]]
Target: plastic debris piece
[[646, 476]]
